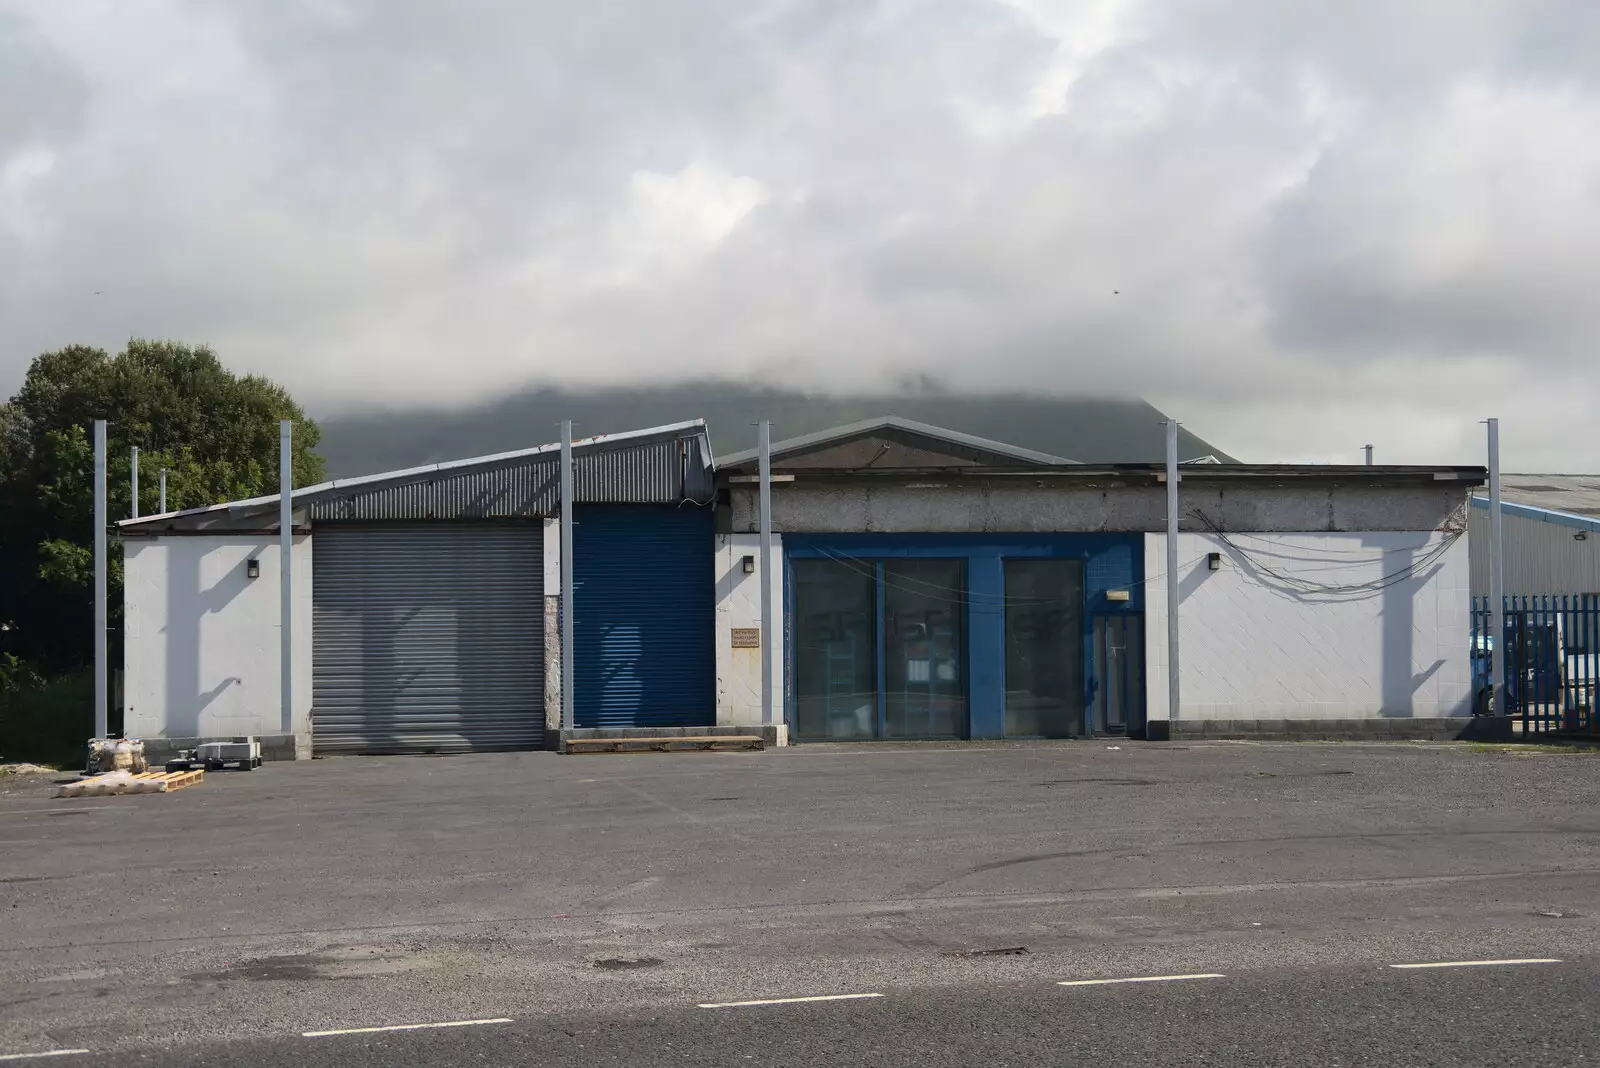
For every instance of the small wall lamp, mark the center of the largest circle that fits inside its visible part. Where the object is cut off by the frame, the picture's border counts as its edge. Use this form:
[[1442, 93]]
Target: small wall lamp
[[749, 565], [252, 568], [1582, 535], [1214, 561]]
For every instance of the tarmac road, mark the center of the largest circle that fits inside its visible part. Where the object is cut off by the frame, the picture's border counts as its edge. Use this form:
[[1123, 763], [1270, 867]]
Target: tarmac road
[[610, 896], [1490, 1016]]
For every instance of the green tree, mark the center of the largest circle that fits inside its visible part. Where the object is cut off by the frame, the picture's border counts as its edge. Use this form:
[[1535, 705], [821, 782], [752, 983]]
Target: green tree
[[215, 432]]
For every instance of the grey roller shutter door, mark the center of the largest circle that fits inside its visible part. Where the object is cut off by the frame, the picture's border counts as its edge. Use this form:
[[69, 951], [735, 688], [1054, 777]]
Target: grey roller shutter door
[[427, 638]]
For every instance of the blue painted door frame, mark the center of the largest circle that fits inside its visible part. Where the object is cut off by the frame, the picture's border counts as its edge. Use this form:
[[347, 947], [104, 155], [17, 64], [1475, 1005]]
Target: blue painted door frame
[[1111, 562]]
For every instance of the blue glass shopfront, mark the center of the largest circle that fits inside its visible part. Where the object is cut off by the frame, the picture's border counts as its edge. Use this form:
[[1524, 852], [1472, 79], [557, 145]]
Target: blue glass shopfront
[[930, 636]]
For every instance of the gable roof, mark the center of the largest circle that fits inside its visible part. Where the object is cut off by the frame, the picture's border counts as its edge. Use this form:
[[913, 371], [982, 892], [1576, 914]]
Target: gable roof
[[934, 434], [464, 484]]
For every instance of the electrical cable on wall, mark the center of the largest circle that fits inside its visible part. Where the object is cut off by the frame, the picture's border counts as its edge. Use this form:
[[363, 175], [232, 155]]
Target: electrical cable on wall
[[1454, 529]]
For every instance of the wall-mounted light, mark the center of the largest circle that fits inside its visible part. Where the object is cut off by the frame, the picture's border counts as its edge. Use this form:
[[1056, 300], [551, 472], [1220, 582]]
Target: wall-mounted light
[[1214, 561], [1118, 596], [1582, 535], [749, 565], [252, 568]]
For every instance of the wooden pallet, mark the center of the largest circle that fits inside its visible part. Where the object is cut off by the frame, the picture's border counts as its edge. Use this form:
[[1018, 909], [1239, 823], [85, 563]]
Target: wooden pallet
[[145, 782], [702, 743]]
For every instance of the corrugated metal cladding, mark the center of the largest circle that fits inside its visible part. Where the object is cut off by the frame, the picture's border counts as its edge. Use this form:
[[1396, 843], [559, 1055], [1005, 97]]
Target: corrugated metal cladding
[[655, 472], [427, 638], [1540, 558], [644, 649]]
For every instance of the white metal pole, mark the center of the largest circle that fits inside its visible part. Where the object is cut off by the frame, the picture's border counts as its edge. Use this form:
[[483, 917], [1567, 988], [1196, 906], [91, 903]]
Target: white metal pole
[[768, 638], [569, 718], [1497, 575], [100, 678], [134, 478], [1172, 571], [162, 501], [1368, 450], [286, 573]]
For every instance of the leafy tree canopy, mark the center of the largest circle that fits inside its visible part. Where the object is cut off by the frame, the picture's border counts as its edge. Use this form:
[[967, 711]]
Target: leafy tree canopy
[[215, 432]]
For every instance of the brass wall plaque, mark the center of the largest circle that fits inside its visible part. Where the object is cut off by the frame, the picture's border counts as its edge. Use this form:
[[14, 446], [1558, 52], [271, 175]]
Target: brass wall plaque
[[747, 637]]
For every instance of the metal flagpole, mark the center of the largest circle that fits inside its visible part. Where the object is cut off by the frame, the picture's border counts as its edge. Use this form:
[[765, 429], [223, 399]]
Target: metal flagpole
[[768, 639], [1172, 571], [568, 713], [1497, 575], [100, 665], [286, 573]]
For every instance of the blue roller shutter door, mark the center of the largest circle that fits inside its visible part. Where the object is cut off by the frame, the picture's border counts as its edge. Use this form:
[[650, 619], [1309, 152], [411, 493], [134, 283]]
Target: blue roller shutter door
[[644, 630]]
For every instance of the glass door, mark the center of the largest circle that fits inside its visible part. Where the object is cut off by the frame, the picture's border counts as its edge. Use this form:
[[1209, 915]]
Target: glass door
[[1043, 648], [879, 648], [835, 662], [924, 657]]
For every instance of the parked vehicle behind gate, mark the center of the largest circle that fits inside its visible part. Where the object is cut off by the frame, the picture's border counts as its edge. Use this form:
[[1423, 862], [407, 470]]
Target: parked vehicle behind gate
[[1552, 646]]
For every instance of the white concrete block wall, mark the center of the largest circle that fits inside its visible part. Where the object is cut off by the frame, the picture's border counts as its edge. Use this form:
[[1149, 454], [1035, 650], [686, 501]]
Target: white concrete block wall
[[1252, 649], [202, 651], [739, 606]]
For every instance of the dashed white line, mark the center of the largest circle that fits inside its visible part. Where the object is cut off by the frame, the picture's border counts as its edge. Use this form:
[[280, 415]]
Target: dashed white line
[[46, 1053], [1480, 963], [787, 1001], [404, 1027], [1143, 979]]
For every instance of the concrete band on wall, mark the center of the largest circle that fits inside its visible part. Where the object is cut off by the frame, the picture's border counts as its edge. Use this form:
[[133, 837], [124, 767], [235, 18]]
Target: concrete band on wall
[[1011, 504]]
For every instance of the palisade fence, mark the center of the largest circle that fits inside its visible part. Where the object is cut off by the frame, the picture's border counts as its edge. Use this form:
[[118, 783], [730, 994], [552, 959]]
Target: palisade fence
[[1550, 663]]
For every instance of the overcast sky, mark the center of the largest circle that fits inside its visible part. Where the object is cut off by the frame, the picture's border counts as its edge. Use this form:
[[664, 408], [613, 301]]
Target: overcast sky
[[1297, 225]]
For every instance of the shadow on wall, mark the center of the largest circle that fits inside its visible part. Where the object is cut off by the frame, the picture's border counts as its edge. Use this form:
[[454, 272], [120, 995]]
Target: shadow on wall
[[189, 601], [1398, 585]]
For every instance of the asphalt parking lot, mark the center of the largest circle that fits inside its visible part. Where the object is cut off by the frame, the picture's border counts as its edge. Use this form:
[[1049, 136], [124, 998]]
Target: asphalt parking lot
[[336, 894]]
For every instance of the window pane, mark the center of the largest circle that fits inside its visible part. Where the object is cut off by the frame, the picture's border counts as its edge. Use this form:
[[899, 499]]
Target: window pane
[[925, 679], [835, 673], [1044, 648]]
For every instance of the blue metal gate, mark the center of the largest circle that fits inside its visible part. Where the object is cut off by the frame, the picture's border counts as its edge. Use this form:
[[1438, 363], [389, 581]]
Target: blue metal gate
[[1548, 654], [644, 652]]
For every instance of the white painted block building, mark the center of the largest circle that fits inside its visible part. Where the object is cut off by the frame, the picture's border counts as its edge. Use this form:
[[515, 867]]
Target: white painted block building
[[929, 585]]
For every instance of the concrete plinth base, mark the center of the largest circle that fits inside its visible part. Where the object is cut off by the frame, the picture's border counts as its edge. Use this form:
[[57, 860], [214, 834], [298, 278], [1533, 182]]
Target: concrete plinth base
[[1396, 729], [770, 736], [273, 746]]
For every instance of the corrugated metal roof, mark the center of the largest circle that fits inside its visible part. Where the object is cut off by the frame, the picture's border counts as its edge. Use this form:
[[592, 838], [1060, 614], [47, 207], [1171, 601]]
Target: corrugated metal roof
[[1573, 494], [659, 465]]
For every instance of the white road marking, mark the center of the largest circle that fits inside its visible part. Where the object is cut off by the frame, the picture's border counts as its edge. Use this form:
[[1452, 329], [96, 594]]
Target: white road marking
[[47, 1053], [403, 1027], [1480, 963], [1143, 979], [787, 1001]]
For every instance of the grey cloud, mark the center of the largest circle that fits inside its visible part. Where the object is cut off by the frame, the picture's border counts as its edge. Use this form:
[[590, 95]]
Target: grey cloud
[[42, 98], [1308, 222]]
